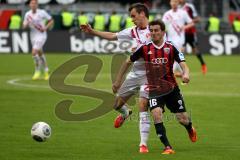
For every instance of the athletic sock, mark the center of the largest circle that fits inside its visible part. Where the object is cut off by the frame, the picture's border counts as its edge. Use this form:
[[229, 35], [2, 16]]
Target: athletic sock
[[36, 60], [144, 127], [188, 126], [124, 111], [161, 133], [200, 58], [44, 62]]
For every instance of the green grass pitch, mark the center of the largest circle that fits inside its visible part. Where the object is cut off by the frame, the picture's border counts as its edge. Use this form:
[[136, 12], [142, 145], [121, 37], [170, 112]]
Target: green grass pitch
[[213, 101]]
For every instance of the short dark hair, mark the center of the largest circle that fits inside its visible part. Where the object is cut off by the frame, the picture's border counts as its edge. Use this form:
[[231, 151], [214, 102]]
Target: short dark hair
[[139, 8], [158, 22]]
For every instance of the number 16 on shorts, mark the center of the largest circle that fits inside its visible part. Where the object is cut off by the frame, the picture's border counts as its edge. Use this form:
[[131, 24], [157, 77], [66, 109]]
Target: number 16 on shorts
[[152, 102]]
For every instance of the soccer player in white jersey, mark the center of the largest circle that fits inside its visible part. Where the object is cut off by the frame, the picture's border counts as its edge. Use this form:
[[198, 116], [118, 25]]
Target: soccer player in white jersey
[[136, 77], [35, 19], [177, 21]]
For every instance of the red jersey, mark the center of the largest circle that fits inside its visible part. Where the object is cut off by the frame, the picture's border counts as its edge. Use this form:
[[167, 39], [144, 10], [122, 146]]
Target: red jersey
[[190, 9], [159, 63]]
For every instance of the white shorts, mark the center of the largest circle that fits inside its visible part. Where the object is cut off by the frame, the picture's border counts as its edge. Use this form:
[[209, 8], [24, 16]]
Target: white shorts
[[132, 84], [38, 42]]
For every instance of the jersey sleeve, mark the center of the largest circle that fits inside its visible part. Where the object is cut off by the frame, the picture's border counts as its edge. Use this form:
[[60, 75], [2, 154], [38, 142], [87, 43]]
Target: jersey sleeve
[[164, 18], [124, 34], [178, 56], [25, 21], [194, 11], [137, 54], [187, 17], [46, 15]]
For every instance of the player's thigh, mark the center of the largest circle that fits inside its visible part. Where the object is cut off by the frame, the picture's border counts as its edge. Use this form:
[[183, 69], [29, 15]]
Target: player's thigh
[[175, 102], [38, 43], [143, 104], [156, 102], [192, 40], [129, 87]]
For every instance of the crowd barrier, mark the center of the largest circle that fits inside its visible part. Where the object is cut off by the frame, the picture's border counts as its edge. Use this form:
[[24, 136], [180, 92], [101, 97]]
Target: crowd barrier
[[78, 42]]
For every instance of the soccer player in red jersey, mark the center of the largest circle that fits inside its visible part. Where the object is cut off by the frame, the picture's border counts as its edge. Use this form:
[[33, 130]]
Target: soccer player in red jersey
[[161, 86], [191, 33]]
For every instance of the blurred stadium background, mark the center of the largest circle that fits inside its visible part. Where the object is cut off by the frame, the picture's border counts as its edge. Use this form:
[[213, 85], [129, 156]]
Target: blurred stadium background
[[212, 99]]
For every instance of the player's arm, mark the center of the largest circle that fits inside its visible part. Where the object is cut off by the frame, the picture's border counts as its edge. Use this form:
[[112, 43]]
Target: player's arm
[[25, 22], [135, 56], [49, 24], [185, 69], [189, 21], [188, 25], [179, 57], [196, 18], [106, 35]]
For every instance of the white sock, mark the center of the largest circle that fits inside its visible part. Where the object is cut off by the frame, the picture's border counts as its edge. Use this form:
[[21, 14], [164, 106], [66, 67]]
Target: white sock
[[36, 60], [124, 111], [144, 127], [44, 62]]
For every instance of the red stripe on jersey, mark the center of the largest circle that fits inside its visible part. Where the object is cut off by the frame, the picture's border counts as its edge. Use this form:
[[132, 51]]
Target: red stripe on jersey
[[132, 33], [189, 10]]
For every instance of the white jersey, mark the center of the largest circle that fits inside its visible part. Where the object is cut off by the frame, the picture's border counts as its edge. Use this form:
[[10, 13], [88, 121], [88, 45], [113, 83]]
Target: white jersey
[[36, 21], [174, 22], [139, 38]]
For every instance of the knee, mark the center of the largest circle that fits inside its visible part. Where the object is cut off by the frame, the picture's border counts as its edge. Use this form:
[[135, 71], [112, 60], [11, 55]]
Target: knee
[[157, 115], [143, 105]]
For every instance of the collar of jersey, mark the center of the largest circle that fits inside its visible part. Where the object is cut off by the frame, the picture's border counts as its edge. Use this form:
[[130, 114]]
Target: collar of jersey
[[158, 47]]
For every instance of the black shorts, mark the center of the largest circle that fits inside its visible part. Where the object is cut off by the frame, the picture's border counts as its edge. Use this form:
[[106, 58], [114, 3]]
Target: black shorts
[[191, 39], [174, 102]]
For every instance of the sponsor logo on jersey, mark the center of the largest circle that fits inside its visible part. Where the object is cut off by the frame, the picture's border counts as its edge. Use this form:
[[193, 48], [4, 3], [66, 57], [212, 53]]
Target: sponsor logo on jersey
[[159, 60]]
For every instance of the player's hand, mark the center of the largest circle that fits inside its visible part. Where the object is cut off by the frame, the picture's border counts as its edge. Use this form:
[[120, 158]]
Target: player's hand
[[185, 78], [86, 28], [42, 29], [115, 87]]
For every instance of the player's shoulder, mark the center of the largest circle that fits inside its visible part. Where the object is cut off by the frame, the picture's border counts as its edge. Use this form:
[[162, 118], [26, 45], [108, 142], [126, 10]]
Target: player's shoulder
[[190, 5], [170, 43], [28, 12], [181, 11], [41, 11], [167, 12], [146, 45]]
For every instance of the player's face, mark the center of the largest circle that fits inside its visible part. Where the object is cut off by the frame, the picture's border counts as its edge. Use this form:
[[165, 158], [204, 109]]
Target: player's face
[[156, 33], [181, 1], [137, 18], [33, 4], [174, 4]]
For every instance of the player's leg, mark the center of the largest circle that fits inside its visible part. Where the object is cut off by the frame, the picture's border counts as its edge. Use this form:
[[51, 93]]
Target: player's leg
[[127, 89], [195, 50], [157, 113], [144, 124], [44, 65], [175, 104], [36, 60], [121, 107], [184, 120], [40, 43]]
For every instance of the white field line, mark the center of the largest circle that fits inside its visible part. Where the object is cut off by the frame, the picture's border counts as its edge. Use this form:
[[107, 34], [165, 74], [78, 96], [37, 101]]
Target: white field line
[[18, 82]]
